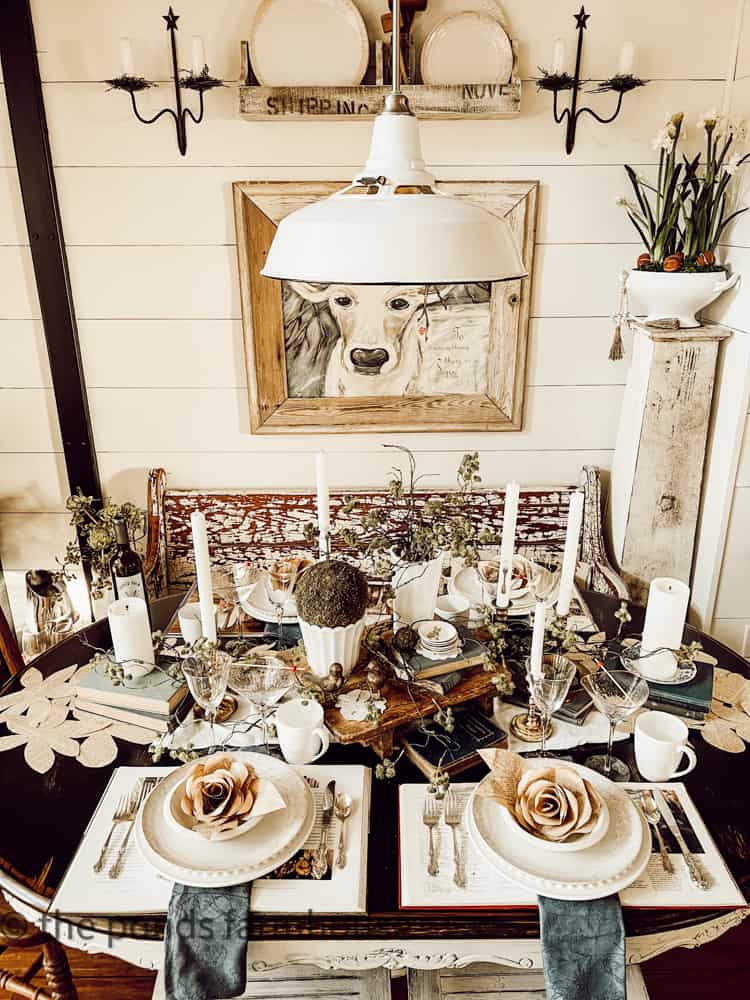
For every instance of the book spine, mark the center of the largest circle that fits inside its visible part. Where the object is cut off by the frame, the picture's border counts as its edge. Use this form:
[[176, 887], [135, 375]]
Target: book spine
[[679, 710], [682, 703]]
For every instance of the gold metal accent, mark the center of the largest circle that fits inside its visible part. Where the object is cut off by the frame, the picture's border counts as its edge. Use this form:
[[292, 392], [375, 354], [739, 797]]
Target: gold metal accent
[[527, 726], [413, 189], [397, 104]]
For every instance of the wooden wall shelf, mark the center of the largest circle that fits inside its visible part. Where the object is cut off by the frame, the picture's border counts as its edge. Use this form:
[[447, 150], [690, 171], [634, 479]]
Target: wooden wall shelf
[[465, 100]]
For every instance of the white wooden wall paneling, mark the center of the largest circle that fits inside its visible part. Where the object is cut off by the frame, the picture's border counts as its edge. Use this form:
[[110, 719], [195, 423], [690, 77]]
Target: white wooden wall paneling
[[18, 296], [24, 355], [12, 223], [34, 483]]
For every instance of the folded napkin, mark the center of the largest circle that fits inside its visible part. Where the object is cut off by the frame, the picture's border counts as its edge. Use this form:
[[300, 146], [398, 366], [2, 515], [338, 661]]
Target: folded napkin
[[206, 942], [583, 949]]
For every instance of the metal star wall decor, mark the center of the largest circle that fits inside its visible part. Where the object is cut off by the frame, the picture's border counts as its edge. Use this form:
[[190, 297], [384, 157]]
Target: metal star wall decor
[[558, 81], [199, 79]]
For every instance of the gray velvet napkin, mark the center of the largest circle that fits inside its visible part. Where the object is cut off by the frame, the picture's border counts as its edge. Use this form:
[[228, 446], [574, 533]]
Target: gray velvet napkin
[[583, 949], [206, 942]]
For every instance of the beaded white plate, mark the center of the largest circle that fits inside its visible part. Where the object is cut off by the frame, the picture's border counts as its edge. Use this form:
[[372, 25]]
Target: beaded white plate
[[468, 47], [309, 43], [600, 870], [182, 857]]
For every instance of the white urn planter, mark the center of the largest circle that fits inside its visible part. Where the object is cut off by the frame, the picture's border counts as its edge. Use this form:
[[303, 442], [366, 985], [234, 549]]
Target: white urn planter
[[415, 589], [326, 645], [677, 295]]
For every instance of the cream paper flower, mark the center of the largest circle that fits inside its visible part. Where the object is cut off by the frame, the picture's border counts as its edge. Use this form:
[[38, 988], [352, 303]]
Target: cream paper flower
[[556, 803], [219, 794]]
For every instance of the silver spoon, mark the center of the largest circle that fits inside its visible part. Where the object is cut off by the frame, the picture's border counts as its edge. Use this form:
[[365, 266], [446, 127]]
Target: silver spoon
[[343, 810]]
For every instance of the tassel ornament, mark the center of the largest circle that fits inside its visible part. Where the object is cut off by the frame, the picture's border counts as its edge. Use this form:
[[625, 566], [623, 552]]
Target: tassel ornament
[[617, 349]]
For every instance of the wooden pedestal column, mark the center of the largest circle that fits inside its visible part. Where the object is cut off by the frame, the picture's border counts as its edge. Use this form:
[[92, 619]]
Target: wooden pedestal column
[[657, 469]]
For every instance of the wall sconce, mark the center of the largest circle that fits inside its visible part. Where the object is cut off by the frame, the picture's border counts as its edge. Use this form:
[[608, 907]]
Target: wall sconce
[[197, 79], [559, 80]]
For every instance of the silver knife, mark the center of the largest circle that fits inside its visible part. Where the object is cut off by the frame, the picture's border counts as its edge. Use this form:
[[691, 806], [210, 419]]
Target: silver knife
[[697, 874], [320, 862]]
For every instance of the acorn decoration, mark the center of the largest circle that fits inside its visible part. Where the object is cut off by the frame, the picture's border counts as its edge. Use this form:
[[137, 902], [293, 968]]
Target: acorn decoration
[[644, 260], [673, 262], [405, 639], [706, 259]]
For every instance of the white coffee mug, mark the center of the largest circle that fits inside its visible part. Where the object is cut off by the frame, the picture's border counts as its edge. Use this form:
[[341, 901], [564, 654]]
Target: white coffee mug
[[302, 736], [189, 617], [660, 741]]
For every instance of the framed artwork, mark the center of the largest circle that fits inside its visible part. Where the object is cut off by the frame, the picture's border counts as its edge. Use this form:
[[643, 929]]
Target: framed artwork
[[338, 358]]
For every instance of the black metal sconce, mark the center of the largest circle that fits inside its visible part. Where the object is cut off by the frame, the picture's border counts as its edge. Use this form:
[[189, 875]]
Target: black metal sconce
[[199, 81], [559, 80]]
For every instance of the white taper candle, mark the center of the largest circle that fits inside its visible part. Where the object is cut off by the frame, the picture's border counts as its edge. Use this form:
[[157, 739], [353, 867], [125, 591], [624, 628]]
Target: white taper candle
[[570, 555], [627, 58], [324, 517], [199, 56], [537, 639], [126, 57], [507, 543], [558, 58], [203, 575]]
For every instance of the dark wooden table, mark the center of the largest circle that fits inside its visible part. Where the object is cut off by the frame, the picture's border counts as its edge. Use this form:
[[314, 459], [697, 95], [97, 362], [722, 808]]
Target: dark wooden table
[[44, 817]]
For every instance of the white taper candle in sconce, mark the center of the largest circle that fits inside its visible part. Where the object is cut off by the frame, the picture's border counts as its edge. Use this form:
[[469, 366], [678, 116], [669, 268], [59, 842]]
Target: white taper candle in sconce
[[126, 57], [507, 543], [665, 620], [203, 575], [558, 57], [324, 516], [131, 636], [537, 639], [627, 59], [199, 56], [570, 555]]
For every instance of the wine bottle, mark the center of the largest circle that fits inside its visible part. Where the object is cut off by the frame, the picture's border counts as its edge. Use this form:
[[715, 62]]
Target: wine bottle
[[126, 567]]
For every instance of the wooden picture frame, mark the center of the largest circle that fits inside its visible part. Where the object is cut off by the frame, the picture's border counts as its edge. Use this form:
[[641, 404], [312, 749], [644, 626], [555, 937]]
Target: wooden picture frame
[[259, 207]]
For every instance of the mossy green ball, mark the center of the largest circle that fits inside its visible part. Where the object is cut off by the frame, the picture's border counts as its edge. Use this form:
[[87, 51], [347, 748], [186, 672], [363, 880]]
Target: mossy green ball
[[332, 593]]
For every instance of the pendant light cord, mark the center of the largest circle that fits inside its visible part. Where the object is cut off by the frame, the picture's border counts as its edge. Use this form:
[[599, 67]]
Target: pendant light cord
[[396, 49]]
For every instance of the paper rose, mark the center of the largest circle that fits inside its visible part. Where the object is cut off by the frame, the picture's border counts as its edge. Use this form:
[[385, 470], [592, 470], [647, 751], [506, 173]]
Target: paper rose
[[219, 794], [556, 803]]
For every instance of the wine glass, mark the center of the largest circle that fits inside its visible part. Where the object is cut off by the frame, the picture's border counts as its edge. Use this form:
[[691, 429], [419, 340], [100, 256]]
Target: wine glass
[[279, 582], [549, 690], [544, 572], [263, 681], [617, 694], [207, 680]]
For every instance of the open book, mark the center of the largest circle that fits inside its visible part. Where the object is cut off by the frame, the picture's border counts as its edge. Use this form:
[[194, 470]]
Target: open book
[[488, 889], [291, 889]]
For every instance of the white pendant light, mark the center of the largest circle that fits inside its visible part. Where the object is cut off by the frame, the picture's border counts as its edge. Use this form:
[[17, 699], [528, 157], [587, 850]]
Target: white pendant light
[[391, 226]]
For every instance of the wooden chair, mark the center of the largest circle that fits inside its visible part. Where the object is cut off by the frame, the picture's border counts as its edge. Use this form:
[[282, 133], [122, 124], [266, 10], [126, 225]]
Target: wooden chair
[[488, 982], [15, 932], [261, 525], [301, 981]]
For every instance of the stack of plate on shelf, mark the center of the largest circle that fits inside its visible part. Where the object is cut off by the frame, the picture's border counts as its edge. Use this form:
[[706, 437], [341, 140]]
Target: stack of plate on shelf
[[595, 867], [438, 640], [181, 856]]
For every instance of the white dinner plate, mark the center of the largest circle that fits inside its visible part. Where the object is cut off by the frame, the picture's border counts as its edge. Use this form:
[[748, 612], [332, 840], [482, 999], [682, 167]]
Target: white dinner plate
[[182, 857], [254, 600], [607, 867], [469, 47], [468, 583], [309, 43]]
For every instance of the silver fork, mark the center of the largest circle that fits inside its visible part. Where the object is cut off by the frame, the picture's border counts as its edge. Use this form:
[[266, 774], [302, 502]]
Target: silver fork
[[120, 816], [146, 786], [431, 818], [649, 810], [453, 814]]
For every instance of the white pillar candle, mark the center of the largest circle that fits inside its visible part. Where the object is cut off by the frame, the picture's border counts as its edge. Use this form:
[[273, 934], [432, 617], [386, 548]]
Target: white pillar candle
[[126, 57], [558, 58], [537, 639], [199, 57], [665, 620], [507, 543], [203, 575], [131, 636], [321, 485], [627, 57], [570, 555]]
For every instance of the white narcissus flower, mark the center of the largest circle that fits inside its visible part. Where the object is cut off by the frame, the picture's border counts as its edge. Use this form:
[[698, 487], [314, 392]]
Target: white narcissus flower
[[732, 164], [709, 119], [622, 202], [737, 128], [662, 140]]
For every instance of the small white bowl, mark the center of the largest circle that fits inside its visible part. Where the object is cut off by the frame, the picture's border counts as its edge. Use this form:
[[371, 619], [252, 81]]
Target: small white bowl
[[576, 843], [452, 606], [436, 634], [179, 819]]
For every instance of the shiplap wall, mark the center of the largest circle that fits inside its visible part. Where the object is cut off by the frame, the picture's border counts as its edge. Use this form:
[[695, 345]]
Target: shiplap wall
[[151, 248]]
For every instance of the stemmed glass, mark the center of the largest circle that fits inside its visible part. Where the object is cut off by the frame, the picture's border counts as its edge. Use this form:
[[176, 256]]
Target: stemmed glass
[[263, 683], [549, 690], [207, 680], [280, 581], [617, 694]]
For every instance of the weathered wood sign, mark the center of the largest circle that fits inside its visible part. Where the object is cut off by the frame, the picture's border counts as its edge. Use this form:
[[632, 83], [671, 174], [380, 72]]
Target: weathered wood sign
[[479, 100]]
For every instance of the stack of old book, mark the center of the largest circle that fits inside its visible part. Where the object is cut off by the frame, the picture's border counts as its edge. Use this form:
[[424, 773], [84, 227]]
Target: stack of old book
[[149, 702], [691, 700], [441, 675]]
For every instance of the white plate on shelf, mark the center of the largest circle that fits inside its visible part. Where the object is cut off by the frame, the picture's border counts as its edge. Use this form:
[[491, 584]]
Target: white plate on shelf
[[309, 43], [468, 47], [254, 600], [606, 867], [182, 857]]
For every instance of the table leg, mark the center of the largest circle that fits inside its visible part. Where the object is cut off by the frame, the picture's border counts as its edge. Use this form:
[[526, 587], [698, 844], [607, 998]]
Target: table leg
[[57, 971]]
